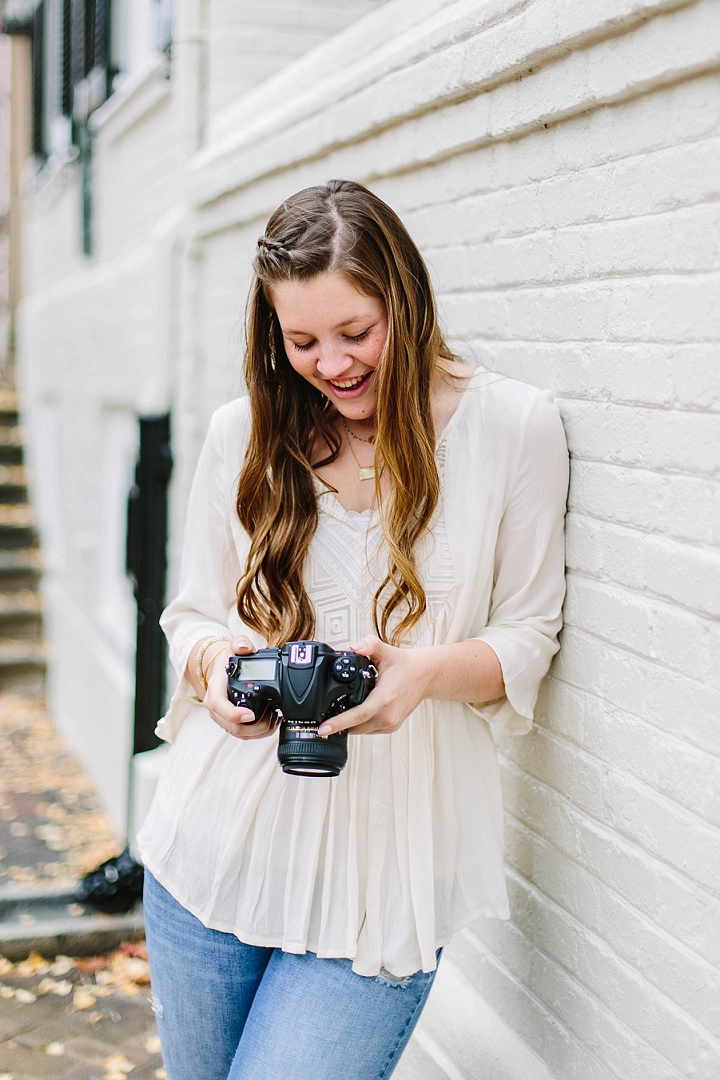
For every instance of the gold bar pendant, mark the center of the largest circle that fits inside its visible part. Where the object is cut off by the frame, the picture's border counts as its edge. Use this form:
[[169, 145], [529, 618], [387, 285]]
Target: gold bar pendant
[[367, 472]]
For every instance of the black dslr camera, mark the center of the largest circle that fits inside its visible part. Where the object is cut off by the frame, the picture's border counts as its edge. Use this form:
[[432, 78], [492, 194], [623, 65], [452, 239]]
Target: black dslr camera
[[305, 682]]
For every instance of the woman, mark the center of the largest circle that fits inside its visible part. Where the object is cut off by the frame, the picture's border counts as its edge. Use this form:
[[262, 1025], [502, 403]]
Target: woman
[[392, 500]]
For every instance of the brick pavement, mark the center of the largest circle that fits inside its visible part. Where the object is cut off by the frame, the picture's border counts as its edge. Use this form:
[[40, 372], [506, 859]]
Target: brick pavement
[[84, 1028], [63, 1018]]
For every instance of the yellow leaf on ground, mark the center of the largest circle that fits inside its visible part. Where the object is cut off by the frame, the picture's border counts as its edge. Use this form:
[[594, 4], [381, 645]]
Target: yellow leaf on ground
[[152, 1044], [118, 1063], [55, 1049], [83, 1000], [25, 997]]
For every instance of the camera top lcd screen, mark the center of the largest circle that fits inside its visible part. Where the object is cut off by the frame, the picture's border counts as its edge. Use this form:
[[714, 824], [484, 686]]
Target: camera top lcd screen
[[257, 669]]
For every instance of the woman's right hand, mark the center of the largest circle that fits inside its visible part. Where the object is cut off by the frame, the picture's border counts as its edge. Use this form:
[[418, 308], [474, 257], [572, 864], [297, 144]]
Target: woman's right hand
[[238, 722]]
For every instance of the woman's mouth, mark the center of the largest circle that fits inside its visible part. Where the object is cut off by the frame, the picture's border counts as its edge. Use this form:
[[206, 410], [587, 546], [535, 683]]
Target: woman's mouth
[[346, 388]]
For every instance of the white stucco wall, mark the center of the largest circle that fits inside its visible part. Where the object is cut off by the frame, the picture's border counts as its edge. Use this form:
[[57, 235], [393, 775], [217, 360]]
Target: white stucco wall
[[556, 160]]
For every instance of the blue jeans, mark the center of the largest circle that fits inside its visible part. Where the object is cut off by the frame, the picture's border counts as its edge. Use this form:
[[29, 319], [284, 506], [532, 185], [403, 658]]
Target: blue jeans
[[230, 1011]]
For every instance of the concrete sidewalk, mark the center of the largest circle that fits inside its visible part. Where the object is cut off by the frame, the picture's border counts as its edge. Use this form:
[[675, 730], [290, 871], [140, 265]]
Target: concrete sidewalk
[[52, 829]]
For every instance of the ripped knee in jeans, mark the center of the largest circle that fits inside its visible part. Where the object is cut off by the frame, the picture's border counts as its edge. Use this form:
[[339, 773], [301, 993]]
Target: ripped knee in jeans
[[401, 982], [157, 1006]]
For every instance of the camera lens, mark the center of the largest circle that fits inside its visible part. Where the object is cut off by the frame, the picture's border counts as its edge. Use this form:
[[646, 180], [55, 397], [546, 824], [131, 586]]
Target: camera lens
[[302, 752]]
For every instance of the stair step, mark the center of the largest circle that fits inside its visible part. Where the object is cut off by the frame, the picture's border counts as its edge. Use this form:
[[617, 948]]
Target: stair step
[[20, 602], [8, 400], [20, 560], [22, 573], [12, 493], [46, 920], [11, 435], [22, 666], [17, 526], [16, 514], [16, 536], [13, 483], [24, 654]]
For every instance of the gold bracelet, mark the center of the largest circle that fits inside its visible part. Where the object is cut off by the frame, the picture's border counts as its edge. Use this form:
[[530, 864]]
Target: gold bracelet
[[206, 667], [201, 653]]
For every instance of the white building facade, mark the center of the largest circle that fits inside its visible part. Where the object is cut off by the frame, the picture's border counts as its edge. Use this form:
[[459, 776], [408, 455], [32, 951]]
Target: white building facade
[[557, 161]]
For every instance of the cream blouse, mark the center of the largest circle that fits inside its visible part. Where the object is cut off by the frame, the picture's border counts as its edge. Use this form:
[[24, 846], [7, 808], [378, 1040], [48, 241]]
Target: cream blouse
[[384, 862]]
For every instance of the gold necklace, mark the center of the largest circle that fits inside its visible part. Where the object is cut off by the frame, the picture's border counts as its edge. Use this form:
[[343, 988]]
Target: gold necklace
[[365, 472]]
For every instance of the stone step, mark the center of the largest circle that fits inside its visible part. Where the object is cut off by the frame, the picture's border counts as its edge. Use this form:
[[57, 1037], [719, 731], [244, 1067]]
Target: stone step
[[13, 484], [11, 444], [17, 526], [22, 665], [8, 400], [17, 536], [46, 920], [18, 623], [20, 568]]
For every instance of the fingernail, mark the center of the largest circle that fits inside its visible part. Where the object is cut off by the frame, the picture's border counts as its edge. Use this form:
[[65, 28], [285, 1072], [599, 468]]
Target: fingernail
[[325, 729]]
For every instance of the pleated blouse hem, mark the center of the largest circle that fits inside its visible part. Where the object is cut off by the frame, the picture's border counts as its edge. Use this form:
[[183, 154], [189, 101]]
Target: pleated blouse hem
[[262, 941]]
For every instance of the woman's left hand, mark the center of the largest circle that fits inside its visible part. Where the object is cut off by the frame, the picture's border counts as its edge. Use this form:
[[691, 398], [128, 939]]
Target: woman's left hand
[[402, 683]]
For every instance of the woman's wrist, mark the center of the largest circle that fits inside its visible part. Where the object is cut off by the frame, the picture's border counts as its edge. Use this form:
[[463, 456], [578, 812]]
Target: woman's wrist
[[203, 646], [223, 651]]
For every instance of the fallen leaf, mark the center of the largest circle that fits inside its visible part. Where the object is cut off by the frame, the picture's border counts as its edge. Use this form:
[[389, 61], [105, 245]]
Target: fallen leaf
[[6, 966], [138, 970], [75, 910], [152, 1044], [6, 1076], [55, 1049], [62, 965], [7, 991], [160, 1074], [91, 964], [94, 1017], [118, 1063], [25, 997], [84, 1000]]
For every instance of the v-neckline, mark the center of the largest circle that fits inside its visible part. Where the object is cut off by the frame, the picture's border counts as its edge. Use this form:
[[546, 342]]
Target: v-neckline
[[322, 489]]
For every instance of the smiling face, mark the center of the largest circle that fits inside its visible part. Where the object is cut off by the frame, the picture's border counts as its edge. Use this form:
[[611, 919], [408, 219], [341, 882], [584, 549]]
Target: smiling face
[[334, 337]]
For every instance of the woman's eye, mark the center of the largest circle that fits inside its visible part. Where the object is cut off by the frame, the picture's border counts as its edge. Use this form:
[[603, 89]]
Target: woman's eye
[[303, 348], [359, 337]]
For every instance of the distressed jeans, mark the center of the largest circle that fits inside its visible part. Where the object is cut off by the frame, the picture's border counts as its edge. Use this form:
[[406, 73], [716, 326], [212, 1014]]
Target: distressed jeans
[[230, 1011]]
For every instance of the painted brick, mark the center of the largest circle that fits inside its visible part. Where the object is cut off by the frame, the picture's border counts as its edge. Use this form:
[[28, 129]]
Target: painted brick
[[679, 973], [656, 890], [581, 256]]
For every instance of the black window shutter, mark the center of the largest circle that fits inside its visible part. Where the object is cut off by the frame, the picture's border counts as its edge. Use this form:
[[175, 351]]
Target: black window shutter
[[146, 562], [38, 81], [66, 58]]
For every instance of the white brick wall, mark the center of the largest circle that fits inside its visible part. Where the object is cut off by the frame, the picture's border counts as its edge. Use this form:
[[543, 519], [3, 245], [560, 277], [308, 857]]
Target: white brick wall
[[557, 161]]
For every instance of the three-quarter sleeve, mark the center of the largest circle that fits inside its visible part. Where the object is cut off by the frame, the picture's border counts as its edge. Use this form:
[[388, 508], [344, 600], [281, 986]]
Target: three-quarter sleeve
[[209, 569], [529, 584]]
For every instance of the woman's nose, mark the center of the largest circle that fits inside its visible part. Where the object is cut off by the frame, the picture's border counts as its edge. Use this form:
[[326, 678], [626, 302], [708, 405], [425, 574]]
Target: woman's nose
[[333, 361]]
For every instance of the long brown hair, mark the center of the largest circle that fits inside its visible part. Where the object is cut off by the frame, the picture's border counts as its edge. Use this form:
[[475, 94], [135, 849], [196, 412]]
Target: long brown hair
[[338, 227]]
